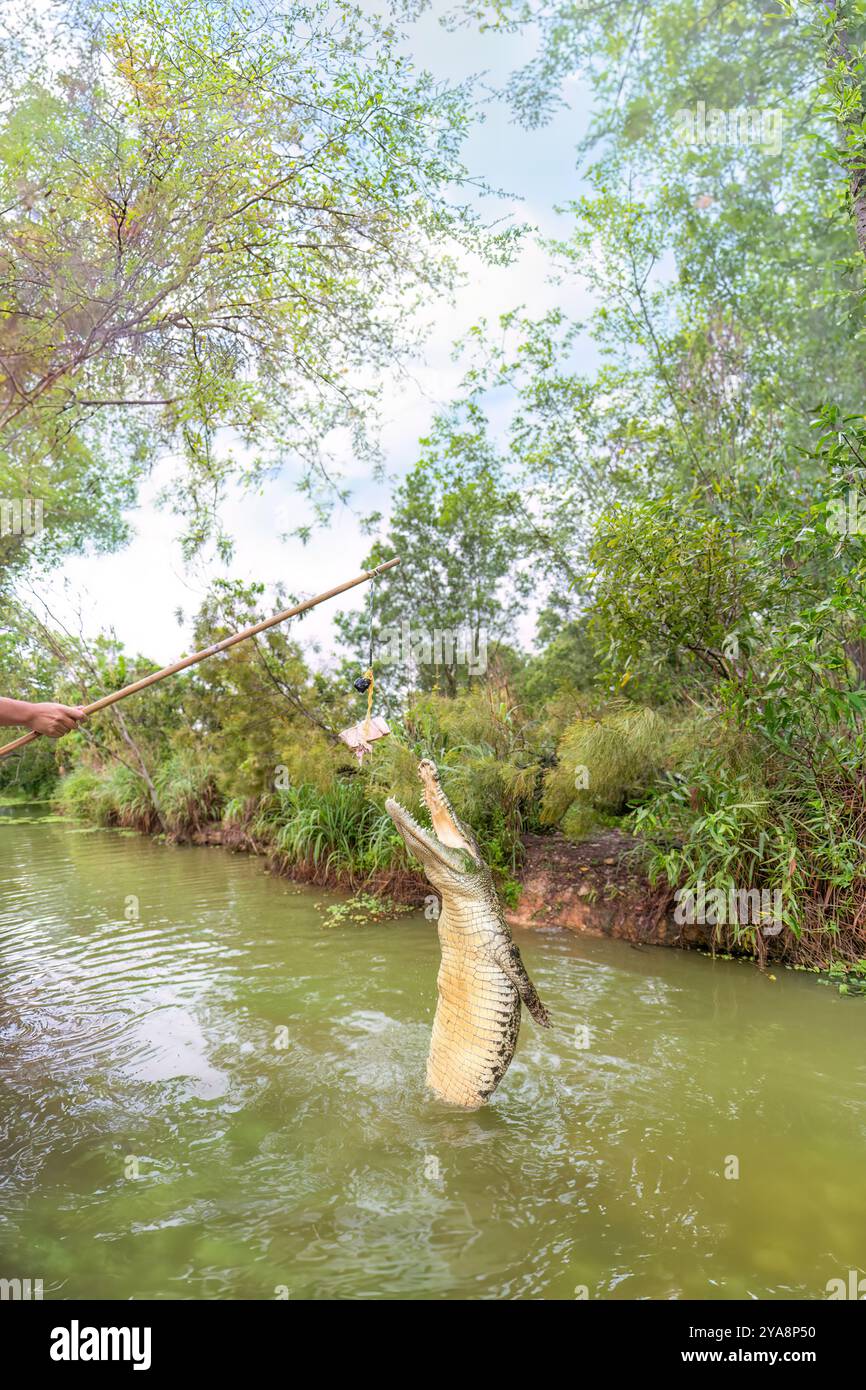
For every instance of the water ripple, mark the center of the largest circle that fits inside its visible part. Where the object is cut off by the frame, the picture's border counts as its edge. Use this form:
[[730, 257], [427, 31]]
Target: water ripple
[[204, 1092]]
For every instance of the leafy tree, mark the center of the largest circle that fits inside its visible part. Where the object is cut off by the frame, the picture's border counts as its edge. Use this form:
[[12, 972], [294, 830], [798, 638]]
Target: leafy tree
[[452, 604], [712, 238], [844, 36], [214, 218], [259, 708]]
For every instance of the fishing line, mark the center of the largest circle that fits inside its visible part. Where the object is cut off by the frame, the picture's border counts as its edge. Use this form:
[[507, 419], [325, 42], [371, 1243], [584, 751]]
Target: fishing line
[[367, 680], [361, 735]]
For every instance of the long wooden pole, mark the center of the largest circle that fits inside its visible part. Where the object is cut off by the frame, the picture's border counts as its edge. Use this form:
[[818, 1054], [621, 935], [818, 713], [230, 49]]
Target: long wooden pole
[[212, 651]]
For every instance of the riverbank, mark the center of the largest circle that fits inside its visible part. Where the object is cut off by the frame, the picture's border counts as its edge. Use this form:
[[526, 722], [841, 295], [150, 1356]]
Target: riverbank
[[592, 880], [595, 887]]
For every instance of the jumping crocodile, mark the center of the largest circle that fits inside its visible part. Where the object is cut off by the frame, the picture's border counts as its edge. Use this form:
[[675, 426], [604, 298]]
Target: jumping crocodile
[[482, 978]]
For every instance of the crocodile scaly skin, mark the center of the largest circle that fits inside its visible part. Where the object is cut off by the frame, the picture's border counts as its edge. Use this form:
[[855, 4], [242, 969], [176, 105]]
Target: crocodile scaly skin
[[478, 1014], [482, 978]]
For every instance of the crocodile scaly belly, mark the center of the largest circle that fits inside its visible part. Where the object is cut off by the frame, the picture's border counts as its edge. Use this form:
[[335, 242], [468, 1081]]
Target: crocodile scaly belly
[[475, 1028]]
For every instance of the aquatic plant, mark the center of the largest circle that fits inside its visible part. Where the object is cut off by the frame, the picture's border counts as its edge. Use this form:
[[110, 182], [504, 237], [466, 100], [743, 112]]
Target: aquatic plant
[[362, 908]]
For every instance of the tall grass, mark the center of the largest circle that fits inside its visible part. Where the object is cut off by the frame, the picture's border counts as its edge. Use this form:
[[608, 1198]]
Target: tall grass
[[113, 796], [186, 791], [188, 794], [335, 834]]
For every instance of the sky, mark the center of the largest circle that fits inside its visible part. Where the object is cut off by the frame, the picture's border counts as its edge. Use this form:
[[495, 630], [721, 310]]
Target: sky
[[138, 591]]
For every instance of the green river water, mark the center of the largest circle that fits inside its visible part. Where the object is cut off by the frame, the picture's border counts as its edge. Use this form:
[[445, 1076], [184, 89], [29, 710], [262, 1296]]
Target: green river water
[[263, 1075]]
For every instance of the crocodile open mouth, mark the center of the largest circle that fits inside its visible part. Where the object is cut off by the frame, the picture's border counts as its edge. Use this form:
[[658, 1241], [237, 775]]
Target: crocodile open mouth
[[418, 838], [445, 840]]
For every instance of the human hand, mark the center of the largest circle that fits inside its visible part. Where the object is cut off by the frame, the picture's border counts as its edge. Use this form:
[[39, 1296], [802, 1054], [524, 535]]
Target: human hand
[[52, 719]]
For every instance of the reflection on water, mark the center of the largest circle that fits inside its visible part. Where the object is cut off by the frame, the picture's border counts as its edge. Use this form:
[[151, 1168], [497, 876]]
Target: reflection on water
[[205, 1093], [24, 810]]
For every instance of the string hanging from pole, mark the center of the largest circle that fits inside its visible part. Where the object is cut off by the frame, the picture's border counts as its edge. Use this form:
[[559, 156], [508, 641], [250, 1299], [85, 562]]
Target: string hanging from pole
[[368, 674], [360, 736]]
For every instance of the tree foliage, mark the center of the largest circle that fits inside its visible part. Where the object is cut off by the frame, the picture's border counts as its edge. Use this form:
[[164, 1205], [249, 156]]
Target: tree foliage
[[214, 222], [452, 604]]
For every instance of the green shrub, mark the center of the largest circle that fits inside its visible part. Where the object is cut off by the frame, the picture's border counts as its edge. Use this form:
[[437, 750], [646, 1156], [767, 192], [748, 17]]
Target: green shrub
[[77, 795], [603, 762]]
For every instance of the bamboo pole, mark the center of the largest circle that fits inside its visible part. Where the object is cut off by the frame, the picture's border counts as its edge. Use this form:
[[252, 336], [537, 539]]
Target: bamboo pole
[[212, 651]]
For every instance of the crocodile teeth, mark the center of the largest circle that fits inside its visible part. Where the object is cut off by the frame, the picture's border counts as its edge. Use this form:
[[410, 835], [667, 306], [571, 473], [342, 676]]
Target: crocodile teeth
[[413, 823]]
